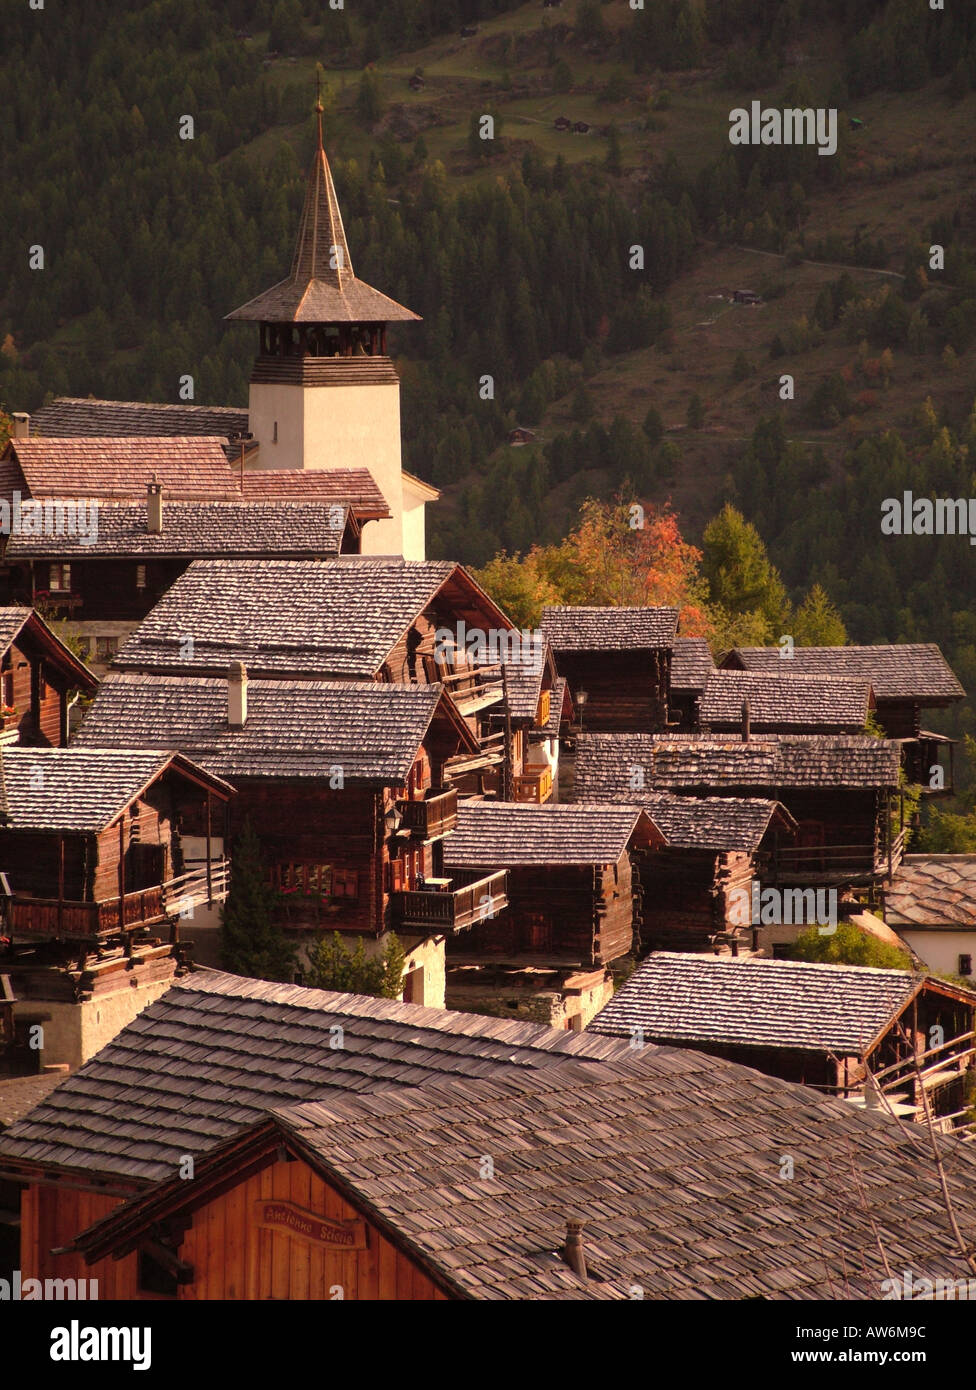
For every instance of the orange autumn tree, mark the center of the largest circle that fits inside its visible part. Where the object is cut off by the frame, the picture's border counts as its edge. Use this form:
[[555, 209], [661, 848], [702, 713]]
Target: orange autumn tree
[[618, 555]]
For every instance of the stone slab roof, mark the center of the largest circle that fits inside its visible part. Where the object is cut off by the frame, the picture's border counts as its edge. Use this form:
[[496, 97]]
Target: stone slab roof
[[684, 998], [68, 416], [371, 729], [216, 1051], [784, 702], [908, 671], [19, 1094], [495, 834], [199, 529], [933, 890], [691, 663], [609, 629], [606, 763]]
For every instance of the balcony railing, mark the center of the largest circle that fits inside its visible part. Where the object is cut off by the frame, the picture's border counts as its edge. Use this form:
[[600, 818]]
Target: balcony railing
[[52, 918], [433, 816], [533, 786], [464, 899], [806, 863]]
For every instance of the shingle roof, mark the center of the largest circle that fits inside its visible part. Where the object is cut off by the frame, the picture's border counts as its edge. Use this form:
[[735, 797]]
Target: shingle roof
[[19, 1094], [216, 1050], [506, 835], [372, 730], [200, 529], [75, 789], [609, 629], [672, 1160], [933, 890], [72, 415], [353, 487], [723, 824], [684, 998], [691, 662], [606, 763], [334, 617], [191, 468], [12, 621], [784, 702], [321, 287], [524, 671], [908, 671]]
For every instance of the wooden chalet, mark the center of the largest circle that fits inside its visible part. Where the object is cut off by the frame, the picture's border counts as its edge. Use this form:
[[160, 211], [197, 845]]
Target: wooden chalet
[[365, 618], [39, 676], [341, 1190], [343, 781], [841, 790], [96, 874], [716, 846], [572, 893], [833, 1027], [762, 702], [691, 666], [101, 527], [617, 662], [906, 679]]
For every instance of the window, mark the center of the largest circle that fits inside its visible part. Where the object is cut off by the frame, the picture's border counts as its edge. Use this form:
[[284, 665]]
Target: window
[[965, 965], [140, 576], [105, 648], [59, 578], [8, 689]]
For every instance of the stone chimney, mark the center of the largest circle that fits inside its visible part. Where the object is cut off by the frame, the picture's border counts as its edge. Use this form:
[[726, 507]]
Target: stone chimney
[[745, 721], [237, 695], [154, 507], [573, 1250], [21, 425]]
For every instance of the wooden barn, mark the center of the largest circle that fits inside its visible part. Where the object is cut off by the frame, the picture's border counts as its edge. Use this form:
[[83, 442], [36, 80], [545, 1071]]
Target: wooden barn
[[38, 678], [344, 782], [906, 679], [842, 790], [617, 662], [716, 847], [826, 1026], [572, 893], [338, 1191], [96, 874], [691, 666], [766, 703]]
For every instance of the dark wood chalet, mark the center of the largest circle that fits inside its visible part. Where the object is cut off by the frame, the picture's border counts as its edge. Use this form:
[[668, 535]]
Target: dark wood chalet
[[889, 1039], [716, 846], [691, 666], [94, 869], [364, 618], [318, 1198], [906, 679], [38, 678], [344, 782], [617, 662], [572, 892], [842, 791], [756, 701]]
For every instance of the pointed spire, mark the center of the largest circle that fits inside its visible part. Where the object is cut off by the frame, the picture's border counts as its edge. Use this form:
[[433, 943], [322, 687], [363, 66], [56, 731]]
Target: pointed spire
[[321, 252]]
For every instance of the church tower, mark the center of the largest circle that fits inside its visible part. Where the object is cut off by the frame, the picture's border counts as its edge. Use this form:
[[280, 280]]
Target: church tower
[[323, 393]]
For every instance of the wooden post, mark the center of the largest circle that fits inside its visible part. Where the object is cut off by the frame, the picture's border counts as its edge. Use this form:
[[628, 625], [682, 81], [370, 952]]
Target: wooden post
[[508, 770], [121, 868], [209, 853], [60, 882]]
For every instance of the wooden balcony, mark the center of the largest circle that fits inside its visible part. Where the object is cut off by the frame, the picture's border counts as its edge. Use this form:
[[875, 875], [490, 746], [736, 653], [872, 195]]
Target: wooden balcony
[[53, 918], [433, 816], [535, 787], [464, 899], [812, 864]]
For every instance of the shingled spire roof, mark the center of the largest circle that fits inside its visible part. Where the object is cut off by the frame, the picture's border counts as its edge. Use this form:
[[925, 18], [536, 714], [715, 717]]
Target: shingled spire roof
[[322, 287]]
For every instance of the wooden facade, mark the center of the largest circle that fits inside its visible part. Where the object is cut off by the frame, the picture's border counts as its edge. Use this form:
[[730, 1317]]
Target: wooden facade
[[625, 691], [37, 678], [689, 897]]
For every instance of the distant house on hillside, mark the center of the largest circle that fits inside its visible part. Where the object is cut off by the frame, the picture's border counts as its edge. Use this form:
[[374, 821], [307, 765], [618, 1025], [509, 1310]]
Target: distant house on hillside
[[468, 31], [746, 297], [581, 128], [563, 123], [416, 83], [824, 1025], [521, 435]]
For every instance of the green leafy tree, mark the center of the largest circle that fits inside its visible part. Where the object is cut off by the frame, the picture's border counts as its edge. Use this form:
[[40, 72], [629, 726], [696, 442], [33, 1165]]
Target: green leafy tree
[[848, 946], [251, 941], [332, 965]]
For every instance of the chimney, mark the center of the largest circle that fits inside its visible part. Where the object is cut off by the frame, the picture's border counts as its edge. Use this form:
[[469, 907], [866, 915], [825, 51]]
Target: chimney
[[21, 425], [745, 721], [237, 695], [573, 1250], [154, 507]]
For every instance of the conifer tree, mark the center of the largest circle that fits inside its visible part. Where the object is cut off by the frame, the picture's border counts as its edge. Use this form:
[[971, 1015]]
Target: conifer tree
[[251, 941]]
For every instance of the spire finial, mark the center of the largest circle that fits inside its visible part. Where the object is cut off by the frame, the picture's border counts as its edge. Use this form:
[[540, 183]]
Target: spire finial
[[319, 108]]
